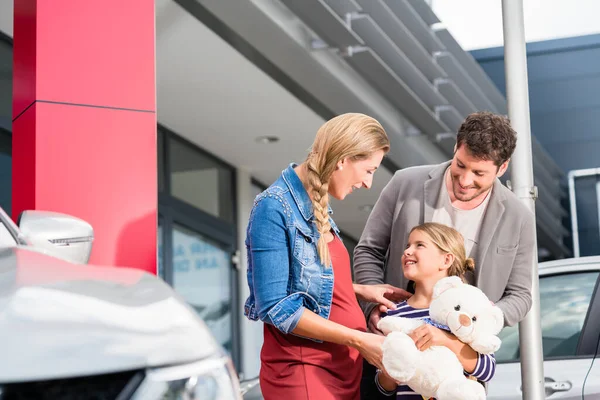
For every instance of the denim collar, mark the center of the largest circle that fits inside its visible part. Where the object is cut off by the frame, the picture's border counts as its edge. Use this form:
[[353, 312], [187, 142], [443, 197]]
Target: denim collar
[[299, 193]]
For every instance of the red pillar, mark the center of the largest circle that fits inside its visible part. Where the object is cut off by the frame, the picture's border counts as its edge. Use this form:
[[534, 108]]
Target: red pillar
[[84, 120]]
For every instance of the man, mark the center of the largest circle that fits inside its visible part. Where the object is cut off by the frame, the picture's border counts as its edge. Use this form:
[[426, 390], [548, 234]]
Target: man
[[465, 193]]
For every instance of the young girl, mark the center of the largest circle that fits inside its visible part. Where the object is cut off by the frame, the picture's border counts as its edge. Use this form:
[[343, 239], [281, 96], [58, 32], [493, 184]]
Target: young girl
[[434, 251]]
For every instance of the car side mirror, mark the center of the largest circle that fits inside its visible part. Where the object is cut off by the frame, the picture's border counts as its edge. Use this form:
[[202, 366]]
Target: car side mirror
[[59, 235]]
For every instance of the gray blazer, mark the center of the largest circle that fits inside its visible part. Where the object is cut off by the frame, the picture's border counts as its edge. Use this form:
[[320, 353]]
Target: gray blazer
[[503, 256]]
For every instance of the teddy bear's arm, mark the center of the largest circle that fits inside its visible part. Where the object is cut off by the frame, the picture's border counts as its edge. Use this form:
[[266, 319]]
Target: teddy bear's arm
[[398, 324], [486, 345]]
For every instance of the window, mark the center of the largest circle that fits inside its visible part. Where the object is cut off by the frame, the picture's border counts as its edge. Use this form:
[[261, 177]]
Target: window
[[256, 189], [588, 207], [6, 61], [197, 234], [161, 160], [564, 302], [350, 244], [202, 275], [6, 84], [5, 171], [200, 180], [160, 268]]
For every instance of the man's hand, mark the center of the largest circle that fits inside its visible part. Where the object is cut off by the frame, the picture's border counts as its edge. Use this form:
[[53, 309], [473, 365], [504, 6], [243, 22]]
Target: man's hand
[[427, 335], [384, 294], [374, 318]]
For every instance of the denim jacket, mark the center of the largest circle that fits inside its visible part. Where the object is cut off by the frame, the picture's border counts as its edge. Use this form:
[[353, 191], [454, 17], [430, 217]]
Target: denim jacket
[[285, 274]]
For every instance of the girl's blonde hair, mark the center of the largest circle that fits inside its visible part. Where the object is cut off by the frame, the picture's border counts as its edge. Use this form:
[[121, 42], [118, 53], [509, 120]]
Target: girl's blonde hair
[[349, 136], [448, 240]]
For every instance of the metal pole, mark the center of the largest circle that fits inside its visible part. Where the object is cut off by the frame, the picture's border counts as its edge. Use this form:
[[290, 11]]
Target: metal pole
[[517, 93], [574, 222]]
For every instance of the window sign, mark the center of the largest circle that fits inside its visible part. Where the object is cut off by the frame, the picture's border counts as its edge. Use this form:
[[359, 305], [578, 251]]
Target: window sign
[[201, 274]]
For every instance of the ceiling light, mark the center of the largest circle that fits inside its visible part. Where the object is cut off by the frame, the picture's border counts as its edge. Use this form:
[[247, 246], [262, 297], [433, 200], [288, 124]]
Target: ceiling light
[[267, 139]]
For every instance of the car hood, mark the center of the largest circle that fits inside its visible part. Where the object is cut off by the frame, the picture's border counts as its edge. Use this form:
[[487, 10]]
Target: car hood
[[59, 319]]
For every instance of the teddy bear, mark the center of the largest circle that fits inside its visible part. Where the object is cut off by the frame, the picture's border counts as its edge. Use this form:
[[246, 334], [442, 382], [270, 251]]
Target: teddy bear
[[437, 372]]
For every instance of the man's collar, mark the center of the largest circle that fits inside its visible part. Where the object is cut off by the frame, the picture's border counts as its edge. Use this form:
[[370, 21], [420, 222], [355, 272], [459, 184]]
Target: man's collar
[[439, 170]]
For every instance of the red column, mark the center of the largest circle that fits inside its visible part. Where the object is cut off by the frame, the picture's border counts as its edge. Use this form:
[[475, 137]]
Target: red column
[[84, 120]]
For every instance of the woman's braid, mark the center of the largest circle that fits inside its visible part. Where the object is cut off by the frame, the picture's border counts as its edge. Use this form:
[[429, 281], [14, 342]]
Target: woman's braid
[[320, 202]]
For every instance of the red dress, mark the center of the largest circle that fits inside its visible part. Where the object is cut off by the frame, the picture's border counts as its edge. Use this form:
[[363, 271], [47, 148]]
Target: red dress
[[293, 368]]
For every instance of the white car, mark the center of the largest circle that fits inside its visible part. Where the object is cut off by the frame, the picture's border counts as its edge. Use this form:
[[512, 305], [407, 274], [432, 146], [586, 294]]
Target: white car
[[570, 317], [70, 330]]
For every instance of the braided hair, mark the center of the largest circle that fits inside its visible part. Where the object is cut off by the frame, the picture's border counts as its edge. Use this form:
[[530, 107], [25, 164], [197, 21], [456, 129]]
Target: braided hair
[[349, 136]]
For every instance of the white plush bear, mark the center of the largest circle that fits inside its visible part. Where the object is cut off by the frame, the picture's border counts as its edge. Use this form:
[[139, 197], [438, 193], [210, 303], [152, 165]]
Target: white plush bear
[[436, 372]]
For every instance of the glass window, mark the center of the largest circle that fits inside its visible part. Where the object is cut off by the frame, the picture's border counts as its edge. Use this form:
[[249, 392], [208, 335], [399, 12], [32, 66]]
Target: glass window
[[160, 146], [196, 232], [587, 214], [202, 275], [6, 63], [5, 171], [350, 244], [200, 180], [564, 301], [256, 190], [159, 250]]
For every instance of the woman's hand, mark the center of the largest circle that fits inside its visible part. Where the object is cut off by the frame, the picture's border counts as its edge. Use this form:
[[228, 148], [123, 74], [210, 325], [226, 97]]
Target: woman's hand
[[384, 294], [427, 335], [369, 346]]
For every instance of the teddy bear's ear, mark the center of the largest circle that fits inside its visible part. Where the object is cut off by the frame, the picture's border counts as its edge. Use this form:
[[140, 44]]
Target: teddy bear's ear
[[446, 283]]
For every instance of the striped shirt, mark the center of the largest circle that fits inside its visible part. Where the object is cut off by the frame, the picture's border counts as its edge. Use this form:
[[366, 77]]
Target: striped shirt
[[484, 370]]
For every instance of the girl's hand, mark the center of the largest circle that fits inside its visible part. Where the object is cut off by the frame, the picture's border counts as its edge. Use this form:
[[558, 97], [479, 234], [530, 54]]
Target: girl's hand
[[427, 335], [384, 294], [386, 381]]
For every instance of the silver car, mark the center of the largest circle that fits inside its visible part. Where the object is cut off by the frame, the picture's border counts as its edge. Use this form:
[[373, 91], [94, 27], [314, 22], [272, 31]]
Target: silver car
[[74, 331], [570, 312]]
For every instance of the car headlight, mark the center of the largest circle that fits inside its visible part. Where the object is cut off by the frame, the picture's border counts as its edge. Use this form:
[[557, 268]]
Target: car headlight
[[209, 379]]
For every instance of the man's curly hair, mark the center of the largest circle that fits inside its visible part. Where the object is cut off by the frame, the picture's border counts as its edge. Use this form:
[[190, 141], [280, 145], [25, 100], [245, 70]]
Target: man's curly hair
[[488, 136]]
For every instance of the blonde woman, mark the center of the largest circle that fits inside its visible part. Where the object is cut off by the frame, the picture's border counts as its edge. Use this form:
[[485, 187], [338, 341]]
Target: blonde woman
[[299, 270]]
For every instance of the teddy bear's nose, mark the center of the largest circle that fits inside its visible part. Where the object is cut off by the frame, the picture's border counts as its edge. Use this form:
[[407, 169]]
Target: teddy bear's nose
[[464, 320]]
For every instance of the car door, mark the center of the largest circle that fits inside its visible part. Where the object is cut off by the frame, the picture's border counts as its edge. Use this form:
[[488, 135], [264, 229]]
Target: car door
[[591, 390], [569, 346]]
